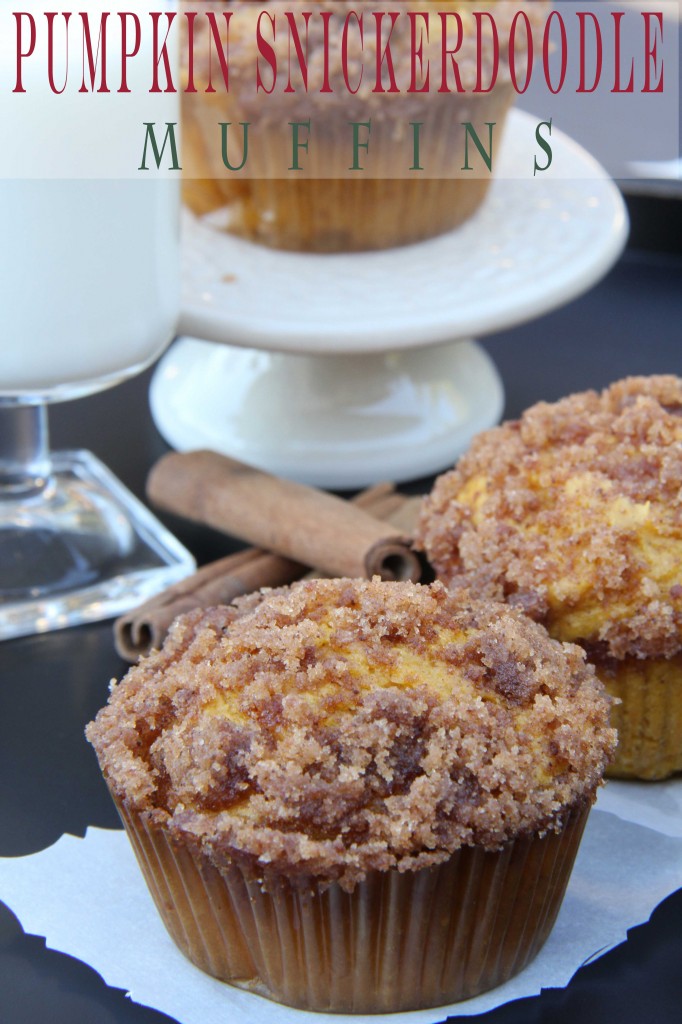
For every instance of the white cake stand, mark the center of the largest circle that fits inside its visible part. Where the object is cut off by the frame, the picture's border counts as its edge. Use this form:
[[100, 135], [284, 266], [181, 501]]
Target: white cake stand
[[344, 369]]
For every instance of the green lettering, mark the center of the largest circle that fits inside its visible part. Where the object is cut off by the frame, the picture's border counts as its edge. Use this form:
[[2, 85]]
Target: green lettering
[[357, 144], [169, 137], [544, 145], [224, 125], [416, 131], [296, 143], [486, 157]]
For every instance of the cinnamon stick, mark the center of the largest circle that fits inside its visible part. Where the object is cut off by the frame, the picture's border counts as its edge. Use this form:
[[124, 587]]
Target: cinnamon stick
[[144, 628], [290, 519]]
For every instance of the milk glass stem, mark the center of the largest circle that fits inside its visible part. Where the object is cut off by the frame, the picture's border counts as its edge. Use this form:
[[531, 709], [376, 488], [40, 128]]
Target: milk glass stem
[[24, 450]]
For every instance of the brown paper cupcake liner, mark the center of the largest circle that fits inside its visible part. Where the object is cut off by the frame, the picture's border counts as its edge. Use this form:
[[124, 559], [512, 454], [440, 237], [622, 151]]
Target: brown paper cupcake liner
[[649, 717], [331, 208], [399, 941]]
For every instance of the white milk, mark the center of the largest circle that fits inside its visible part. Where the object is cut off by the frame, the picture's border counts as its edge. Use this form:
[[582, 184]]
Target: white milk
[[88, 280], [89, 268]]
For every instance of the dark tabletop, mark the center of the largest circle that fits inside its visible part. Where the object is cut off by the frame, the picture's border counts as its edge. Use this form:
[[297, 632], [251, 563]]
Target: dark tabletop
[[51, 685]]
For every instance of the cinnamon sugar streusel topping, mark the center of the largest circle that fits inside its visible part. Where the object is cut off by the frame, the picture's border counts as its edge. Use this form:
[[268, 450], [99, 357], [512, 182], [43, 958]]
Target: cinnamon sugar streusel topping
[[339, 726], [574, 513]]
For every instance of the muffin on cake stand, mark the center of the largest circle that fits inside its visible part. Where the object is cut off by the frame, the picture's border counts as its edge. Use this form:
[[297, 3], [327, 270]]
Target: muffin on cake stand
[[339, 370]]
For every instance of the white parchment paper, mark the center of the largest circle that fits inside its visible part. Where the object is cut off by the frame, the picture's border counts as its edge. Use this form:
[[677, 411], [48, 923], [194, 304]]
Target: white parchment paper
[[88, 898], [656, 805]]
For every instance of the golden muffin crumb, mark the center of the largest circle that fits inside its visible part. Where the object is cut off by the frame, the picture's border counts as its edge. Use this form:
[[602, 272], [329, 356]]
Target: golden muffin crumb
[[574, 514], [339, 726]]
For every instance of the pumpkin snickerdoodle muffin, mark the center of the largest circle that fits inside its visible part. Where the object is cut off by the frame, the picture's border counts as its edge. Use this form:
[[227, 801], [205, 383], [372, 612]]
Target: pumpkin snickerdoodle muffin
[[574, 514], [367, 146], [357, 796]]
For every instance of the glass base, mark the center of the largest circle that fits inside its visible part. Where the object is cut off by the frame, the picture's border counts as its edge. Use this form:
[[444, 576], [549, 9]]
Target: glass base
[[80, 550]]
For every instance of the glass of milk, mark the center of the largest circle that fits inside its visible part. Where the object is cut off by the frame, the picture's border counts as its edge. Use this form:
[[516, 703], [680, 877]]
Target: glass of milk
[[89, 292]]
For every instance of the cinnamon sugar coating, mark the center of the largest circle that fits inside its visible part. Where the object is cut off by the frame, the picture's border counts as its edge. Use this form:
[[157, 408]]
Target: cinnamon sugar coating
[[574, 514], [340, 726]]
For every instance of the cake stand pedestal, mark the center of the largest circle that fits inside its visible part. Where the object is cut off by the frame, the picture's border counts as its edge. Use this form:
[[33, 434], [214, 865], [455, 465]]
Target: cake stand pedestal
[[345, 369]]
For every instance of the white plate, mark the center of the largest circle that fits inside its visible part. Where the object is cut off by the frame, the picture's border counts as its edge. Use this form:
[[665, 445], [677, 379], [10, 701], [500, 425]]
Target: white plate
[[536, 243], [330, 383]]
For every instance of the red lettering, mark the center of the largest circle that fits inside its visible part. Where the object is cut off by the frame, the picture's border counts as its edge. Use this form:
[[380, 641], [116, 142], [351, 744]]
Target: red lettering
[[326, 17], [385, 53], [51, 15], [344, 49], [222, 53], [266, 51], [546, 49], [90, 58], [300, 55], [598, 51], [449, 52], [21, 53], [526, 49], [127, 54], [651, 39], [481, 49], [417, 51], [190, 16], [618, 17], [161, 53]]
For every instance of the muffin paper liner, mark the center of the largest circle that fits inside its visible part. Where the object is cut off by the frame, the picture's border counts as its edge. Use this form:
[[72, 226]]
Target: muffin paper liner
[[649, 717], [328, 207], [399, 941], [88, 897]]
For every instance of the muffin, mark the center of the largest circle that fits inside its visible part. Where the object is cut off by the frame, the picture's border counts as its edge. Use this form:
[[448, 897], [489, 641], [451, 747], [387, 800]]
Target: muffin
[[326, 204], [574, 515], [357, 796]]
